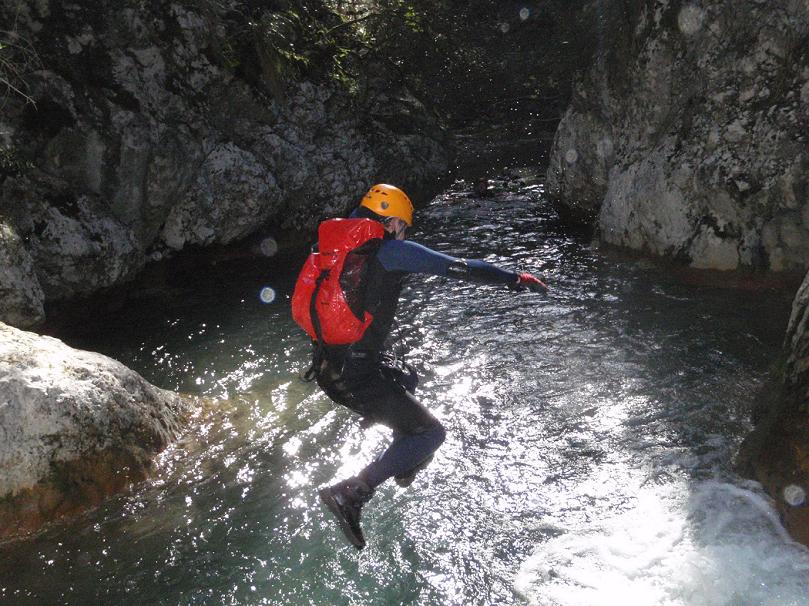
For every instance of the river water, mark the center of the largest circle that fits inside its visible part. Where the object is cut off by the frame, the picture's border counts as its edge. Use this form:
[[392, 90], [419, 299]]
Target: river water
[[588, 460]]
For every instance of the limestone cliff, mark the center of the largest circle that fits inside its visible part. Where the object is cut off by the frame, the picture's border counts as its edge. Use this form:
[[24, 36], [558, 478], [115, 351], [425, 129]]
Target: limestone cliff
[[160, 125], [687, 136]]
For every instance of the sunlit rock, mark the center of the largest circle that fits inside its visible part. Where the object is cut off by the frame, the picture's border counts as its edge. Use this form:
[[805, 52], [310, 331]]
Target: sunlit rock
[[76, 426], [578, 171], [232, 194], [712, 88], [710, 251], [75, 241]]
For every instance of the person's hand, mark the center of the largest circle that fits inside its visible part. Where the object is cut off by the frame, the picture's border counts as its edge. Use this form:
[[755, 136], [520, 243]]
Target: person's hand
[[526, 281]]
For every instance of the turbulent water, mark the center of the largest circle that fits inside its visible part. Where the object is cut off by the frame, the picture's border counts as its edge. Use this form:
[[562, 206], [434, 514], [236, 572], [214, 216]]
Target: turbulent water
[[588, 461]]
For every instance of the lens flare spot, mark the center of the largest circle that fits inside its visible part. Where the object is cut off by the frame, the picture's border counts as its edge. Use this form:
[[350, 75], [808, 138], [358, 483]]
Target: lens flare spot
[[524, 13], [504, 27], [794, 495], [268, 246], [267, 295], [690, 19], [571, 156]]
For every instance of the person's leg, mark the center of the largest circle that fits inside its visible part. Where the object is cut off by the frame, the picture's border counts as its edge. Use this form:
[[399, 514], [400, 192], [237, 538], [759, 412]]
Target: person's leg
[[406, 453], [405, 479], [417, 434], [345, 499]]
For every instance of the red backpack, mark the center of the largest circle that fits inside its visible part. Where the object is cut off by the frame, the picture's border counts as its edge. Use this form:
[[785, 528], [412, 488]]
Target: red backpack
[[328, 298]]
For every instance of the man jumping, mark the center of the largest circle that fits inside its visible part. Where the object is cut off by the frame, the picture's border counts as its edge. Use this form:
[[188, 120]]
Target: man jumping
[[346, 299]]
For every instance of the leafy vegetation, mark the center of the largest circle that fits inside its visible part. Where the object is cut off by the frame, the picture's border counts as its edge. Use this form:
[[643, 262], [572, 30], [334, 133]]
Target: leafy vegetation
[[480, 59], [470, 61], [274, 43], [17, 59], [473, 62]]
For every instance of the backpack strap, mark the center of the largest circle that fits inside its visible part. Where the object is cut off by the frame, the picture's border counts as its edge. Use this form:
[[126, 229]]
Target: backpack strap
[[317, 356]]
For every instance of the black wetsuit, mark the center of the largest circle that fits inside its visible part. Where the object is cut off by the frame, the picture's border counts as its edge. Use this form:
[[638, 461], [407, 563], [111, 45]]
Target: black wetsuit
[[358, 376]]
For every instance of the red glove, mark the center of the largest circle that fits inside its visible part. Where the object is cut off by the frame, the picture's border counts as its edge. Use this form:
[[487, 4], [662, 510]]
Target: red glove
[[530, 282]]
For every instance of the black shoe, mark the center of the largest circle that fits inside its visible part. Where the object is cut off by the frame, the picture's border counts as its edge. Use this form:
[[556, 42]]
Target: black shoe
[[406, 479], [345, 501]]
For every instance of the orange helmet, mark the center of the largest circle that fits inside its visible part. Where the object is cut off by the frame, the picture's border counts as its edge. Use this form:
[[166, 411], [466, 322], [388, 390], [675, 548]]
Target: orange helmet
[[389, 201]]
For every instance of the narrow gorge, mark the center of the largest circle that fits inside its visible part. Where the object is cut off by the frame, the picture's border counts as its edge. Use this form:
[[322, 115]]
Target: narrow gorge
[[163, 168]]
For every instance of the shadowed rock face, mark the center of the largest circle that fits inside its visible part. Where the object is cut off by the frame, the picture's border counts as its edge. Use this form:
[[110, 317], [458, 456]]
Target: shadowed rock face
[[146, 138], [776, 453], [21, 296], [687, 137], [75, 427]]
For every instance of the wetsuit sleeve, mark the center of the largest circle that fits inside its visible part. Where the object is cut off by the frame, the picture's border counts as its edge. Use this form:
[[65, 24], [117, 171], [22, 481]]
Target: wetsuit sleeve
[[410, 257]]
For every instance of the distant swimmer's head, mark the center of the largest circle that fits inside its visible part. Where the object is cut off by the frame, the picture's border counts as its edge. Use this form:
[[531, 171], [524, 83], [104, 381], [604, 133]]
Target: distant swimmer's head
[[390, 205]]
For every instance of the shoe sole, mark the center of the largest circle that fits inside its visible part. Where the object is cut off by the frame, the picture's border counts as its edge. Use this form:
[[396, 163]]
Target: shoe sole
[[328, 500]]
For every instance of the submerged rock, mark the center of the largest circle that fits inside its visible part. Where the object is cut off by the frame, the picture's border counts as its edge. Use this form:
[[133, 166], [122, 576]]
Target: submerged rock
[[75, 426], [687, 136], [776, 453]]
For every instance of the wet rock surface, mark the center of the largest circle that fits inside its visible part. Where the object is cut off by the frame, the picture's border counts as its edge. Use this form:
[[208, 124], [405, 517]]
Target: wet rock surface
[[76, 426], [776, 453], [148, 136], [687, 137]]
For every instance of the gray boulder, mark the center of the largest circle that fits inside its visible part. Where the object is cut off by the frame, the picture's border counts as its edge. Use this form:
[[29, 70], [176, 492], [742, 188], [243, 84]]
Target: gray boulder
[[75, 426], [687, 137]]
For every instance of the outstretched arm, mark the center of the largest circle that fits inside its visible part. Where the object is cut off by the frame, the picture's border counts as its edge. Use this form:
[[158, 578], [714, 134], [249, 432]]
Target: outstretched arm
[[410, 257]]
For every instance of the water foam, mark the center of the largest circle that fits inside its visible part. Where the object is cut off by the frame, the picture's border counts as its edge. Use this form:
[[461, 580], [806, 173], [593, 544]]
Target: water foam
[[715, 544]]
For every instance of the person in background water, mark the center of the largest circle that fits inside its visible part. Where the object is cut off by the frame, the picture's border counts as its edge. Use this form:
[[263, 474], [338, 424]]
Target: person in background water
[[482, 188], [361, 377]]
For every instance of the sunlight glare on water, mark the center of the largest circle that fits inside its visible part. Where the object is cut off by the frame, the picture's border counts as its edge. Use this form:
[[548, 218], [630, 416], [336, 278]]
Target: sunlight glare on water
[[676, 545], [587, 462]]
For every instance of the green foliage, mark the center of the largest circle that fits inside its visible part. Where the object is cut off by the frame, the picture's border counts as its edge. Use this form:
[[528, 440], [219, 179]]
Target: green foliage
[[479, 58], [276, 43], [280, 53], [467, 60]]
